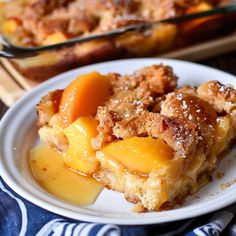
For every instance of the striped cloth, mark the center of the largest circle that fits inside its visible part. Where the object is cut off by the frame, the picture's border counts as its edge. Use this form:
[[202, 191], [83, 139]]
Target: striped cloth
[[20, 217]]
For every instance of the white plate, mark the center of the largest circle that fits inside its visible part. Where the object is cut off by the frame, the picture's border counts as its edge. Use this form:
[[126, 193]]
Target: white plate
[[18, 133]]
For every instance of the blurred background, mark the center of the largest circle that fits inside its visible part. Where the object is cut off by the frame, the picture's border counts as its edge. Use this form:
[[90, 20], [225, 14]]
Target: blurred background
[[209, 39]]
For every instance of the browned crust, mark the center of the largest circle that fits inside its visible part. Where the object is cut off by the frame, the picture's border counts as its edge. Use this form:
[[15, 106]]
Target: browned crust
[[222, 97], [180, 134], [131, 96], [47, 107]]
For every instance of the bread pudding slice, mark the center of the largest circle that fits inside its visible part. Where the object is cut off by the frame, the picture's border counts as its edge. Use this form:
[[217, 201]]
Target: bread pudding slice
[[147, 138]]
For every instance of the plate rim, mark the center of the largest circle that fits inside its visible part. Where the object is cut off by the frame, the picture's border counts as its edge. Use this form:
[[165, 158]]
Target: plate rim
[[80, 216]]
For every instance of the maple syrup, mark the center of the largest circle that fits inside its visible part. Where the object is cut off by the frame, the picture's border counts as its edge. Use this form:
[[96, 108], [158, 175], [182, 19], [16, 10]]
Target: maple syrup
[[55, 177]]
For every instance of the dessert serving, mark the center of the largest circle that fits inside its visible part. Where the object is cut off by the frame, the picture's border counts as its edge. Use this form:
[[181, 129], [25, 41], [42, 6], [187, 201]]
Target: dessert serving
[[140, 134], [35, 23]]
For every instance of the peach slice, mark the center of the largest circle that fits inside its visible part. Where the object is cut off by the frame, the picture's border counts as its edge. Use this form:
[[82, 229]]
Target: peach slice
[[80, 156], [193, 24], [54, 38], [83, 96], [10, 26], [139, 154]]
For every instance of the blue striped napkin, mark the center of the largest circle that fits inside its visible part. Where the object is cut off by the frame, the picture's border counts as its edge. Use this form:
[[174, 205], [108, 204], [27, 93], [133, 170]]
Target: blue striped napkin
[[20, 217]]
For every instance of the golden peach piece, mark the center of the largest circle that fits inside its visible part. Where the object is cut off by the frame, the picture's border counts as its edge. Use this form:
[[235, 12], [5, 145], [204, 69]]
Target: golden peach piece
[[139, 154], [80, 156]]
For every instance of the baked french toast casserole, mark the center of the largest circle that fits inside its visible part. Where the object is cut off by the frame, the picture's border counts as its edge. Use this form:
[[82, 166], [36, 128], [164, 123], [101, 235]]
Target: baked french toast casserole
[[140, 134], [31, 23]]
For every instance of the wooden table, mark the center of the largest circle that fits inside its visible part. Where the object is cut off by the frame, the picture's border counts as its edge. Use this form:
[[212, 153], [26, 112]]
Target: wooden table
[[226, 62]]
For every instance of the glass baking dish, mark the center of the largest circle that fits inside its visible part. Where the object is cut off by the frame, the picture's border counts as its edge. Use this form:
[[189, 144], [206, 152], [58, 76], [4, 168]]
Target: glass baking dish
[[161, 38]]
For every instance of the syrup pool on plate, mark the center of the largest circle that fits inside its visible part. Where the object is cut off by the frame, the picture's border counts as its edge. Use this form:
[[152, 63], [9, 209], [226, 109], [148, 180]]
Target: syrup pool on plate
[[51, 173]]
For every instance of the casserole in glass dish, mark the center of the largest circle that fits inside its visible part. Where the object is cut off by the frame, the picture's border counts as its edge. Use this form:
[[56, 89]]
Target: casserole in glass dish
[[40, 22]]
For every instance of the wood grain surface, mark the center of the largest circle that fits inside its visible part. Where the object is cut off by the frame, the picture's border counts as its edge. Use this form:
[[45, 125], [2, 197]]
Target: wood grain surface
[[226, 62]]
